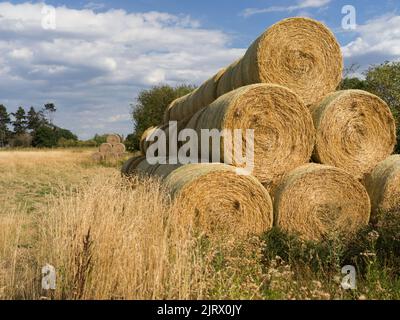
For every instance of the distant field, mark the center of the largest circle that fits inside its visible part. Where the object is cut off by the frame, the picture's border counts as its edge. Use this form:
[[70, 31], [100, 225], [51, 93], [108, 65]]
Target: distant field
[[109, 238]]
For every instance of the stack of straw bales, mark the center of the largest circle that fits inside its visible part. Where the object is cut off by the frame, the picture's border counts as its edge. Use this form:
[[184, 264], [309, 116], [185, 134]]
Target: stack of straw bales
[[112, 149], [284, 88]]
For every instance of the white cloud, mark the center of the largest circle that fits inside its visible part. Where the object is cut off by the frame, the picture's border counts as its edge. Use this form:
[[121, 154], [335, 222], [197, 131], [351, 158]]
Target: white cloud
[[23, 53], [98, 61], [381, 35], [119, 117], [94, 5], [302, 4], [376, 41]]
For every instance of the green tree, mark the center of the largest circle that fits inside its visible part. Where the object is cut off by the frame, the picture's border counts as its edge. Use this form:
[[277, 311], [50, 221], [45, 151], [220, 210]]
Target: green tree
[[48, 136], [45, 137], [150, 106], [384, 81], [49, 110], [66, 143], [353, 83], [130, 142], [35, 119], [99, 139], [66, 134], [5, 121], [20, 121]]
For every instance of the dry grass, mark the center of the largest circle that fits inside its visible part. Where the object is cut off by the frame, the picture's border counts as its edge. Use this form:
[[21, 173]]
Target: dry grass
[[110, 239]]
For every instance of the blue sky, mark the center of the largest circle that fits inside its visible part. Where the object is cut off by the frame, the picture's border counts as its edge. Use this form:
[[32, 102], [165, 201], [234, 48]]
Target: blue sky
[[102, 53]]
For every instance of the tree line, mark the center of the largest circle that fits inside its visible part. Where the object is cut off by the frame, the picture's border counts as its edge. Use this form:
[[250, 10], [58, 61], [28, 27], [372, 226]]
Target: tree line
[[32, 128]]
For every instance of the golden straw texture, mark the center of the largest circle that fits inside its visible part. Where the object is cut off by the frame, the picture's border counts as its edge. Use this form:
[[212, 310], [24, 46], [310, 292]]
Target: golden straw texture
[[355, 131], [144, 143], [284, 134], [383, 185], [119, 148], [105, 148], [315, 201], [113, 139], [214, 198], [151, 133], [186, 106], [299, 53]]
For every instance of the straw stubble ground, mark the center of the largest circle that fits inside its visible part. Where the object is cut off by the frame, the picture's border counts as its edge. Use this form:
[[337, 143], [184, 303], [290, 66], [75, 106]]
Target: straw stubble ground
[[113, 239]]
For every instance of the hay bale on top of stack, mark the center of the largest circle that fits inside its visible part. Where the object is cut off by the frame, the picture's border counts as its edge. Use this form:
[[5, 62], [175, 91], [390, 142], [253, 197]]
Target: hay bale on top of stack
[[112, 149], [299, 65], [299, 53]]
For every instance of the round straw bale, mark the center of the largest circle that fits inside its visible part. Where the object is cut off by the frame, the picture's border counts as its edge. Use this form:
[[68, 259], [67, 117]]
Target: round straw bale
[[97, 156], [141, 167], [383, 186], [355, 131], [283, 129], [226, 83], [215, 198], [126, 166], [175, 108], [150, 134], [315, 201], [186, 106], [299, 53], [129, 167], [144, 143], [220, 202], [105, 148], [208, 91], [113, 139], [118, 148]]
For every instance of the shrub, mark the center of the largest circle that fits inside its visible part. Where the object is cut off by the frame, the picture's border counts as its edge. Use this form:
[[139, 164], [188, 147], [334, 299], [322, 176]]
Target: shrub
[[150, 106]]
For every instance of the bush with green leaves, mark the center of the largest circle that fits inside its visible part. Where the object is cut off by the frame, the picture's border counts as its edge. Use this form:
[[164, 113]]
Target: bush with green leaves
[[148, 111], [48, 136]]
